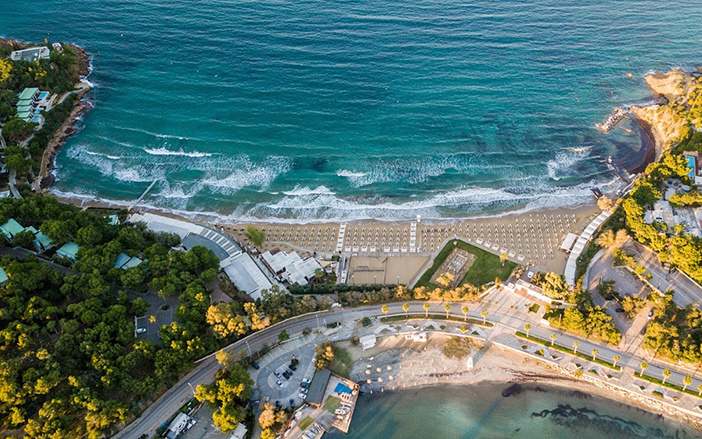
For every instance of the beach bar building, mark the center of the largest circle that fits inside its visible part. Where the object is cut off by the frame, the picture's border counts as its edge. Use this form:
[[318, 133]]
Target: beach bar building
[[291, 267]]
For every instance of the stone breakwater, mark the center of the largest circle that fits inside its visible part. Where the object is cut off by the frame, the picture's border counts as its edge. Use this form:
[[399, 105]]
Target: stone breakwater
[[612, 120]]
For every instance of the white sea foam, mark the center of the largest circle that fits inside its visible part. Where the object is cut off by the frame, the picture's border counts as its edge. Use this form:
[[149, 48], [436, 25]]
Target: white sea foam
[[410, 171], [300, 190], [164, 151], [562, 165], [111, 157]]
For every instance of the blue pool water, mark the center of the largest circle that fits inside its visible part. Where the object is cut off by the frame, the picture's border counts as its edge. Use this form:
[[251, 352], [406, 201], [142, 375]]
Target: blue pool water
[[315, 110]]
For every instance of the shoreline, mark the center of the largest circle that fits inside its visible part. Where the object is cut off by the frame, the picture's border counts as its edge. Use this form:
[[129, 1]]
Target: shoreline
[[45, 179], [498, 366], [82, 104]]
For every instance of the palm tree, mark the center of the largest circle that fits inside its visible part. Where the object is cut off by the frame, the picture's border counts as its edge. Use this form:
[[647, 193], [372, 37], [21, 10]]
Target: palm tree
[[699, 387], [527, 328], [576, 343], [666, 374], [426, 306], [503, 258], [464, 310], [687, 381], [484, 313], [616, 358], [595, 353], [447, 307], [384, 309], [644, 366], [553, 339], [405, 307]]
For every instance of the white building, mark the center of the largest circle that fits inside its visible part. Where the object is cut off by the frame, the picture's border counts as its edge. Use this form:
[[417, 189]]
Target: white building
[[291, 267], [31, 54], [177, 426], [246, 275], [368, 341], [239, 432]]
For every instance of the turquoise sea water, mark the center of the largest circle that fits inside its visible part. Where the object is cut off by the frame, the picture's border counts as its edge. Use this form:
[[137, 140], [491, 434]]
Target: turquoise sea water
[[480, 412], [364, 108]]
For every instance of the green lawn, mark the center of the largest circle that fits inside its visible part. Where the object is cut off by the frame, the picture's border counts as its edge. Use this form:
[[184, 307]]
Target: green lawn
[[331, 404], [342, 362], [485, 268], [305, 423]]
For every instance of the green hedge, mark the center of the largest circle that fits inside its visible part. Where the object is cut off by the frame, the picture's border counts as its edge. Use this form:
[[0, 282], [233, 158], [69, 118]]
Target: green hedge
[[567, 350], [434, 316], [667, 384]]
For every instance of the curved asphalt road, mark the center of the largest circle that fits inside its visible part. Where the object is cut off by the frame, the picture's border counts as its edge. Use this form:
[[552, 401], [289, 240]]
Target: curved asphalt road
[[507, 319]]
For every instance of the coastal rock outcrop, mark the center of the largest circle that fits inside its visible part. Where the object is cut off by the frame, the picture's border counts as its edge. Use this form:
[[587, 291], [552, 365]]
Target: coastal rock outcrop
[[670, 118]]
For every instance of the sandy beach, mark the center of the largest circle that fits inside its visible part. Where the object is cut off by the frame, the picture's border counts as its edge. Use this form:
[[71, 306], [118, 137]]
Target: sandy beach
[[396, 364]]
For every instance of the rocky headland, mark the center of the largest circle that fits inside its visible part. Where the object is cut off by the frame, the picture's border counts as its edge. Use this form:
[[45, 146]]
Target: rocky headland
[[678, 95]]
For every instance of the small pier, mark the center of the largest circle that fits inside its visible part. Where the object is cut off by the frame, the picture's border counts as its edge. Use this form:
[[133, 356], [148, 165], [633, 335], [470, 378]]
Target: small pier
[[613, 119], [142, 195]]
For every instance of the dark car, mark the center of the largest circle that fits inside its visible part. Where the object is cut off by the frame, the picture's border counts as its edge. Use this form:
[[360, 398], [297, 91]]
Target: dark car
[[290, 372], [620, 309], [293, 367], [650, 315], [255, 365], [286, 375], [292, 403], [609, 298]]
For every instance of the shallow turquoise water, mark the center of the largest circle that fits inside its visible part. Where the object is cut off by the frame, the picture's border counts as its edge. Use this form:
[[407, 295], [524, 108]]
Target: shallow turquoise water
[[362, 108], [480, 412]]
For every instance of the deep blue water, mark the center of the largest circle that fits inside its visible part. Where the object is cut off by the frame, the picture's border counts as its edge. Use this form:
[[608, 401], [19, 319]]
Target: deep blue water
[[364, 108]]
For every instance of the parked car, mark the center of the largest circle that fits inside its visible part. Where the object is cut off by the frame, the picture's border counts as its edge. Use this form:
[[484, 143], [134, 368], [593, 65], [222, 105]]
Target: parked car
[[279, 383], [650, 315], [620, 309], [290, 372], [293, 367], [301, 396], [268, 398], [292, 403], [277, 374], [140, 330], [609, 298], [306, 381], [255, 365]]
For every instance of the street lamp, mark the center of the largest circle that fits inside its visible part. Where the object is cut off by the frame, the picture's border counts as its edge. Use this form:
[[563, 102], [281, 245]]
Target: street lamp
[[191, 389]]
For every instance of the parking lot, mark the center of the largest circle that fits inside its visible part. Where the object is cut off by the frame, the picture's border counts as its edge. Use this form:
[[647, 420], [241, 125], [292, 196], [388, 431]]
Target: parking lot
[[273, 378]]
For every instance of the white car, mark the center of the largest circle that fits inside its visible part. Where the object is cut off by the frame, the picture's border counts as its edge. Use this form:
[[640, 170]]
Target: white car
[[279, 383], [302, 396], [141, 330], [306, 381], [530, 274]]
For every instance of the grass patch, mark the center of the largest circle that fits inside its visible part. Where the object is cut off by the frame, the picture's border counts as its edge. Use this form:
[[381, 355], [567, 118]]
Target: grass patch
[[667, 384], [431, 316], [485, 268], [305, 423], [342, 362], [331, 404], [567, 350]]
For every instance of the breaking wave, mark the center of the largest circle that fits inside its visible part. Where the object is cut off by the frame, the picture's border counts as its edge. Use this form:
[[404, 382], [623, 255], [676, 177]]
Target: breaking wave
[[180, 152], [562, 165]]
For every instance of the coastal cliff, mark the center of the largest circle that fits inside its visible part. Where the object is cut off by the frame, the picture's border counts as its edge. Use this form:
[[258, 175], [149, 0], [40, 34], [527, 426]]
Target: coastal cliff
[[680, 98]]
